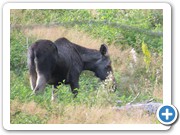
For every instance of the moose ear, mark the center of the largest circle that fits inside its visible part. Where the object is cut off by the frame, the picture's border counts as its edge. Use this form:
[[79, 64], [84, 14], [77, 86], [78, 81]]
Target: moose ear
[[104, 49]]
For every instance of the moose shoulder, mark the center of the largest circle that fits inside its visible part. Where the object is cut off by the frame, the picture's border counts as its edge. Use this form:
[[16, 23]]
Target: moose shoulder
[[51, 63]]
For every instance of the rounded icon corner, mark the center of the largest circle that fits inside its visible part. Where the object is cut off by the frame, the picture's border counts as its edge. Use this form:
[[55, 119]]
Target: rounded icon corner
[[168, 128], [6, 5], [5, 126], [167, 5]]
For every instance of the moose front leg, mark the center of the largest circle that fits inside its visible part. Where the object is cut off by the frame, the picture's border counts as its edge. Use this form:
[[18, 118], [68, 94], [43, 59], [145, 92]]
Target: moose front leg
[[74, 82], [74, 87]]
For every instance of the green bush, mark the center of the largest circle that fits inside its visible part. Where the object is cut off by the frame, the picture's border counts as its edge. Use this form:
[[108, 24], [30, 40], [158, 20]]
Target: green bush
[[18, 51]]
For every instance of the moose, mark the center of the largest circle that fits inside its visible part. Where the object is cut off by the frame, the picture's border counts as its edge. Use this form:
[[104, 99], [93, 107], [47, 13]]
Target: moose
[[54, 62]]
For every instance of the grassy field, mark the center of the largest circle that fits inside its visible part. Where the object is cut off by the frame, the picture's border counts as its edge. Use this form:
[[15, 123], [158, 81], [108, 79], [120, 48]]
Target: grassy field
[[136, 72]]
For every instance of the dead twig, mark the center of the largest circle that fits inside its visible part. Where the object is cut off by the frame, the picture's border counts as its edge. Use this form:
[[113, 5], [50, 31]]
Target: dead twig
[[133, 99]]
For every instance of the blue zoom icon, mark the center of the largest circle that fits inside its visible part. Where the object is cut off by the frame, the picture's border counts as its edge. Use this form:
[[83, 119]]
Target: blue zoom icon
[[167, 114]]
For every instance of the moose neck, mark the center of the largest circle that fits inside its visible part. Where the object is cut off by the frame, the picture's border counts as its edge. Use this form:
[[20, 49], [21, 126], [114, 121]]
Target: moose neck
[[89, 57]]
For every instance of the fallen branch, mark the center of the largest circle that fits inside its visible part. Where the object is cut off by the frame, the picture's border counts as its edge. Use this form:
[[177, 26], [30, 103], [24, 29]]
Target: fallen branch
[[150, 107], [133, 99]]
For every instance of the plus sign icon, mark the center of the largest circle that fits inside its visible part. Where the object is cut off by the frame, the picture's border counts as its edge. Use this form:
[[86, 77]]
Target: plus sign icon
[[167, 114]]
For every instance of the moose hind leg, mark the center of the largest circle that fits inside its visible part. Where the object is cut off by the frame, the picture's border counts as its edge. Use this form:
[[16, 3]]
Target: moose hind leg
[[33, 78], [54, 93], [40, 83]]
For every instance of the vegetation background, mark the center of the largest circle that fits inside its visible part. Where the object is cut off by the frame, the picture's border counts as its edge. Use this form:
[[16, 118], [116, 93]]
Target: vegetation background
[[135, 42]]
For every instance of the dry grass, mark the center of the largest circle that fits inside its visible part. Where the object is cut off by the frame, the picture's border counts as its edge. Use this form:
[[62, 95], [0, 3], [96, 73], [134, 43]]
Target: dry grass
[[81, 114], [53, 33], [101, 115], [30, 108], [158, 92]]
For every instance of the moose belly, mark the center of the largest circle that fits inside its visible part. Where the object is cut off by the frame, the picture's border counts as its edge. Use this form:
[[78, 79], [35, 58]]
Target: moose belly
[[58, 77], [57, 80]]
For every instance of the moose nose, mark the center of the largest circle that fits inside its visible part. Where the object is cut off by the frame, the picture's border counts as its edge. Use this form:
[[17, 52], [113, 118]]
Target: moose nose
[[111, 81]]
